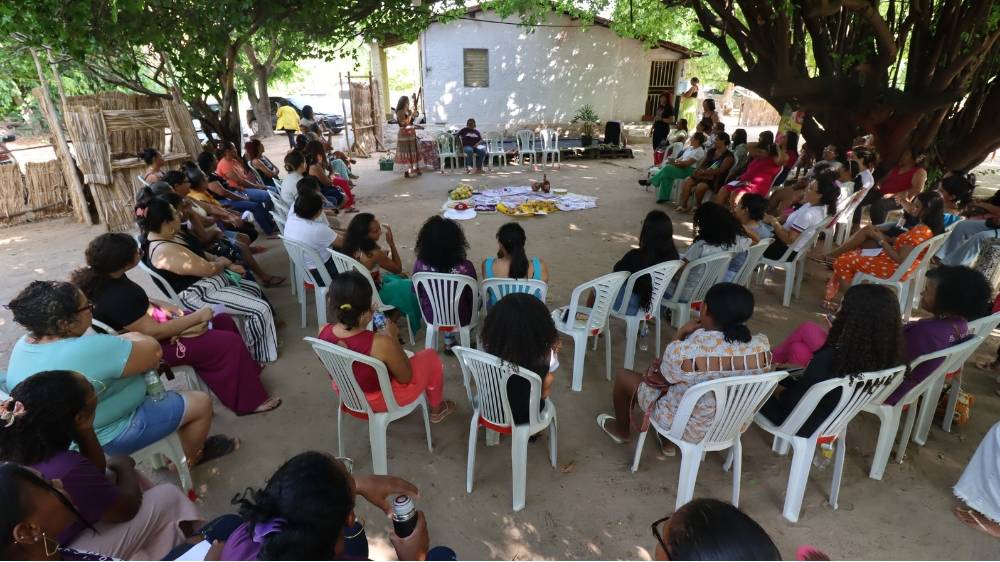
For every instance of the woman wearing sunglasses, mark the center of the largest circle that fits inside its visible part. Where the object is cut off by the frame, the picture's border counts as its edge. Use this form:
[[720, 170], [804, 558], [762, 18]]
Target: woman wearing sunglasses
[[57, 316], [707, 529]]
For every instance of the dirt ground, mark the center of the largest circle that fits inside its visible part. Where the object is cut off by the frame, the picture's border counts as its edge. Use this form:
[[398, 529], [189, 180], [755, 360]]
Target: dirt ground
[[590, 506]]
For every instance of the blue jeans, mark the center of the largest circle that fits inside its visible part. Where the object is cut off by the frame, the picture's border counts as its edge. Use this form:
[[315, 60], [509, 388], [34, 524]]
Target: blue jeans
[[259, 211], [633, 302], [480, 156], [153, 420], [259, 196]]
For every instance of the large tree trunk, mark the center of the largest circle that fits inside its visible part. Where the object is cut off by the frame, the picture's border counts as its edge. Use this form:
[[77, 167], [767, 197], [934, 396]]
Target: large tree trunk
[[262, 105]]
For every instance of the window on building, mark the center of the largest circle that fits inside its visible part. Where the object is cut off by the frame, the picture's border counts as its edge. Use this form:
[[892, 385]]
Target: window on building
[[477, 67]]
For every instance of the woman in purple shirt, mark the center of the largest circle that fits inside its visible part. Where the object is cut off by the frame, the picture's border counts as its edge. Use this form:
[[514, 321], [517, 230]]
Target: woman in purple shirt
[[954, 295], [441, 248], [124, 517]]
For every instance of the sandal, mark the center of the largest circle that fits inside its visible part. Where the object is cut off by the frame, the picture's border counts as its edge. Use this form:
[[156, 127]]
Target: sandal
[[974, 519], [446, 410], [351, 210], [217, 446], [667, 448], [601, 420], [269, 405], [273, 281]]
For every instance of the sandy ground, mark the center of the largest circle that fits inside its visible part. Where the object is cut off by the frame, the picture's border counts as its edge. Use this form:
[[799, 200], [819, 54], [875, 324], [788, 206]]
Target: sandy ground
[[591, 506]]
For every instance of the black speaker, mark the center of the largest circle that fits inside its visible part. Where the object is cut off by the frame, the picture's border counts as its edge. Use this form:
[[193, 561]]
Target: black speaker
[[613, 133]]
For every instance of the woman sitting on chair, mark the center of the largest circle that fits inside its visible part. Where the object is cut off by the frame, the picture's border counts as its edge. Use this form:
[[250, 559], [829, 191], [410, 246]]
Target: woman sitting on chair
[[895, 244], [656, 245], [200, 280], [260, 164], [677, 168], [519, 330], [765, 163], [319, 168], [512, 261], [820, 199], [208, 342], [154, 165], [350, 302], [124, 515], [441, 248], [361, 243], [717, 345]]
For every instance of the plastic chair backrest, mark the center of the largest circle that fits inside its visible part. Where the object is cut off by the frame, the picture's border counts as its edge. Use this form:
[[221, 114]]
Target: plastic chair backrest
[[445, 144], [490, 374], [444, 292], [494, 142], [856, 392], [525, 140], [158, 279], [605, 288], [500, 287], [713, 269], [804, 241], [737, 400], [953, 358], [279, 203], [659, 277], [101, 327], [928, 247], [297, 252], [984, 326], [754, 255], [278, 220], [550, 139], [142, 180], [339, 362], [846, 213], [345, 263]]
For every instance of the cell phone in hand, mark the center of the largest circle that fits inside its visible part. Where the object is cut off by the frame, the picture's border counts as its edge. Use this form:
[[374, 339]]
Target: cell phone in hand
[[379, 321]]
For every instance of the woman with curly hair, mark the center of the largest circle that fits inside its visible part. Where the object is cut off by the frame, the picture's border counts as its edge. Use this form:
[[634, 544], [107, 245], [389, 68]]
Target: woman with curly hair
[[820, 200], [716, 231], [441, 248], [361, 243], [895, 243], [123, 516], [208, 342], [519, 330], [865, 335], [57, 316]]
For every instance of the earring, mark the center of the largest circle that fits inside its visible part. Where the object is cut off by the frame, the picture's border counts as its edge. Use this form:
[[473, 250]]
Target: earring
[[47, 541]]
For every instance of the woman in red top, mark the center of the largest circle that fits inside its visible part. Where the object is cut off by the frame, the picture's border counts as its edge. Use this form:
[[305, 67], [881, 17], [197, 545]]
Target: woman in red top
[[350, 302], [757, 178], [904, 181]]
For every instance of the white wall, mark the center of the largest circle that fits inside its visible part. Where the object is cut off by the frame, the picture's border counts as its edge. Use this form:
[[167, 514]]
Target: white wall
[[538, 77]]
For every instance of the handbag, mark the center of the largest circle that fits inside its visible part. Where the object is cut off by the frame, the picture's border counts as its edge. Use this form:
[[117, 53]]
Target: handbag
[[653, 378], [988, 262]]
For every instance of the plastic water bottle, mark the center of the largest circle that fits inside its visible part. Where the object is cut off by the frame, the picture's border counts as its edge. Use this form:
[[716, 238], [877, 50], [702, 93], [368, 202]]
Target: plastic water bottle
[[643, 335], [404, 516], [154, 386], [824, 454]]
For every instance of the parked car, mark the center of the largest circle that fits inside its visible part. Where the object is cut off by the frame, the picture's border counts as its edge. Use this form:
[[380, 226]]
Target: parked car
[[323, 107]]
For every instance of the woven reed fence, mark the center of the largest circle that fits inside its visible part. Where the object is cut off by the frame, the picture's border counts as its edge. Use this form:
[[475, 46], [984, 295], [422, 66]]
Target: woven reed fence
[[40, 192], [365, 126], [125, 142], [757, 113]]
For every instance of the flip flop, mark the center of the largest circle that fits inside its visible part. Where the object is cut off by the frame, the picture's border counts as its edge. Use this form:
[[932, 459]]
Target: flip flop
[[448, 408], [217, 446], [601, 420], [274, 402], [971, 518]]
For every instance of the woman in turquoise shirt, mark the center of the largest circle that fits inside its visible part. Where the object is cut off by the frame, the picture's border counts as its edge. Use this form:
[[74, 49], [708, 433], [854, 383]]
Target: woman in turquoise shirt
[[57, 315]]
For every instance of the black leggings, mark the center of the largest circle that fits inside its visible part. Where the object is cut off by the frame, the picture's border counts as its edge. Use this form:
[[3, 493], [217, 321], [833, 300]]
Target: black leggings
[[879, 206]]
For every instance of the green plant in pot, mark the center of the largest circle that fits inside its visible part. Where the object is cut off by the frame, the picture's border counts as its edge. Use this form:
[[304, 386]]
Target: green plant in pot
[[588, 119]]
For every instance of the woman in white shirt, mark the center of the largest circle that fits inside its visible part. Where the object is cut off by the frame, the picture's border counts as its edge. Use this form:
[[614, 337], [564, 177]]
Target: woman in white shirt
[[307, 224], [677, 168], [820, 198], [295, 165], [716, 231]]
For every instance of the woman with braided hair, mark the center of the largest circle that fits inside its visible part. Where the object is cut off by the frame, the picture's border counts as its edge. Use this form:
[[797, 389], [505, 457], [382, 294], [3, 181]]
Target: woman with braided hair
[[125, 517]]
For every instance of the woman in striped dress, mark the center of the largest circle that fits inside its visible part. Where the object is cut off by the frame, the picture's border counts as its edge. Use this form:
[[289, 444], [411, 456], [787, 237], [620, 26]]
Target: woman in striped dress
[[407, 147], [201, 280]]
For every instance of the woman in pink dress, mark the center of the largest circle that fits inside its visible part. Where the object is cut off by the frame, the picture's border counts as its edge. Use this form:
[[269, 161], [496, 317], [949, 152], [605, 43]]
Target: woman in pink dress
[[757, 178]]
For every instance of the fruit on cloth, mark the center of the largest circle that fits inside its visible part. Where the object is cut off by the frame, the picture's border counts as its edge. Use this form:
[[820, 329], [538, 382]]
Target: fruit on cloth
[[463, 191]]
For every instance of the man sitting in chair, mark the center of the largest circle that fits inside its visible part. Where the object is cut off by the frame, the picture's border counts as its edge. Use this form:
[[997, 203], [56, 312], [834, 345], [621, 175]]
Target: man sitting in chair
[[471, 138]]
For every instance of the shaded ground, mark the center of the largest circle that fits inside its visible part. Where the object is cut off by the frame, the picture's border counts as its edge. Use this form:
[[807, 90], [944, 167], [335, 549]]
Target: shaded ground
[[591, 507]]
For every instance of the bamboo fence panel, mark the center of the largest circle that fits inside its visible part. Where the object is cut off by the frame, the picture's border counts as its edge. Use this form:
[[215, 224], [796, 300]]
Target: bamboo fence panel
[[48, 194], [12, 205], [90, 142], [129, 119], [379, 110], [757, 113], [361, 115], [118, 199], [126, 143], [183, 137]]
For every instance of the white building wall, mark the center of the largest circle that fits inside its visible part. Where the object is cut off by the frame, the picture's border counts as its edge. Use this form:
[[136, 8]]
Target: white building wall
[[537, 77]]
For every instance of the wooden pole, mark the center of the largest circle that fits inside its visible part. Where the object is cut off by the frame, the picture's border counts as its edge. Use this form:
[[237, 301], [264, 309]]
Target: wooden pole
[[62, 149], [372, 94], [343, 107]]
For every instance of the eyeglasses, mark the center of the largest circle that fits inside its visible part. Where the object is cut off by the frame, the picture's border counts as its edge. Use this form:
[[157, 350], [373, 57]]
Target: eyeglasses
[[89, 306], [656, 533]]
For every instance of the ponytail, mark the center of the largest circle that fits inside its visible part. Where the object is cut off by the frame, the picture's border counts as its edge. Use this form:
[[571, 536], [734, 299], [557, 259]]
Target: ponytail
[[730, 306], [106, 254], [512, 237]]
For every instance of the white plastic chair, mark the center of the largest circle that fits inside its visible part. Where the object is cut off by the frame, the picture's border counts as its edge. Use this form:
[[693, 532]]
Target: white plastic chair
[[339, 362], [907, 290], [795, 269], [756, 253], [444, 291], [494, 149], [606, 289], [345, 263], [446, 150], [856, 392], [839, 228], [982, 327], [293, 279], [550, 147], [142, 180], [925, 394], [737, 400], [713, 270], [161, 284], [491, 410], [297, 254], [185, 372], [496, 288], [280, 207], [169, 448], [659, 277], [526, 145]]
